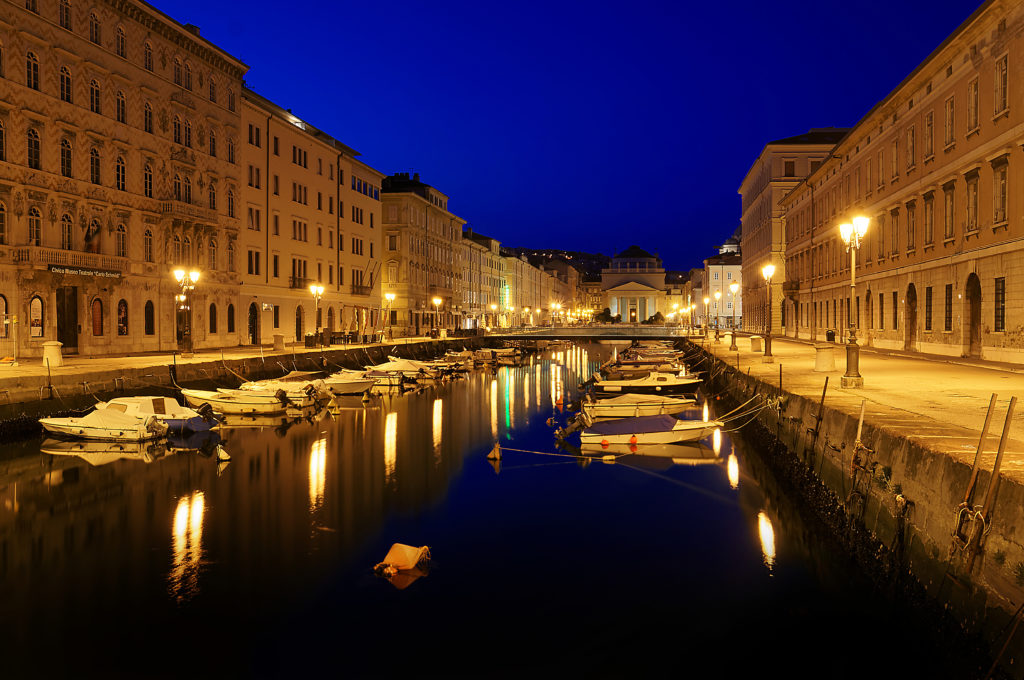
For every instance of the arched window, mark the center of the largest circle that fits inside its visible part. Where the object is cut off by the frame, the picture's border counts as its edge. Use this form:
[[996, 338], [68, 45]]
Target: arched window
[[121, 242], [188, 76], [32, 71], [147, 118], [231, 257], [3, 313], [177, 187], [94, 166], [186, 250], [213, 89], [122, 108], [36, 318], [94, 96], [213, 143], [3, 224], [32, 140], [147, 57], [213, 255], [211, 195], [67, 233], [119, 174], [213, 318], [66, 92], [147, 246], [231, 203], [35, 224], [177, 249], [65, 158], [97, 316], [188, 133], [122, 317], [231, 151], [147, 181], [176, 127], [187, 190], [65, 14], [32, 6], [94, 28], [231, 318], [120, 44], [177, 71], [231, 100], [149, 318]]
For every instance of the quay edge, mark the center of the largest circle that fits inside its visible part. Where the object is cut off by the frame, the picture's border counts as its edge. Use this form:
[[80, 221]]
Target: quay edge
[[905, 500]]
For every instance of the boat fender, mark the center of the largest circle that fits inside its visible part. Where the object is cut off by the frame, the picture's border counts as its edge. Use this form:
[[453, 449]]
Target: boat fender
[[604, 443], [609, 458], [632, 440]]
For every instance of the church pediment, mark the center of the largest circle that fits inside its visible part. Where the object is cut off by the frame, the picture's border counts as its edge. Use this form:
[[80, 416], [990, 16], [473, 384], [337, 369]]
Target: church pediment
[[633, 287]]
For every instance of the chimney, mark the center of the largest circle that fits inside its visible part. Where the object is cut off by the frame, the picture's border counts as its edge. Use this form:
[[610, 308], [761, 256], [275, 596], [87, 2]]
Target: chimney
[[193, 29], [416, 177]]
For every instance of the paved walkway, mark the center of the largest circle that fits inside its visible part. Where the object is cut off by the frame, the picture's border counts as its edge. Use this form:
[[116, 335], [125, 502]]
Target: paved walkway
[[940, 402]]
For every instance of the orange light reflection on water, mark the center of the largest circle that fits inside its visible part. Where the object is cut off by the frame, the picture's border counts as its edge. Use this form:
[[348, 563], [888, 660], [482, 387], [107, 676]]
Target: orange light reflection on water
[[187, 546]]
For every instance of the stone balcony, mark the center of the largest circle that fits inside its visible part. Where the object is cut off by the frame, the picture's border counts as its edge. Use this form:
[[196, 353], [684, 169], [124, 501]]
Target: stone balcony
[[180, 210], [38, 256], [361, 290]]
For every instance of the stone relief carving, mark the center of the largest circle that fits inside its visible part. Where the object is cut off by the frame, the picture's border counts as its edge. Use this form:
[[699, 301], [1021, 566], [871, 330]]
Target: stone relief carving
[[19, 204], [163, 120], [51, 210]]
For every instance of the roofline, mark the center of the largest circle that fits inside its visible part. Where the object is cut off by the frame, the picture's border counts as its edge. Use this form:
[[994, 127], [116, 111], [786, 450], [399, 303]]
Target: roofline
[[284, 114], [778, 143], [180, 27]]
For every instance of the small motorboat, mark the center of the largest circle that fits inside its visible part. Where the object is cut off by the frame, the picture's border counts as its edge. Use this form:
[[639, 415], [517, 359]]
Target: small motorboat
[[179, 419], [652, 383], [301, 388], [106, 425], [632, 405], [409, 369], [643, 430], [238, 402], [345, 382]]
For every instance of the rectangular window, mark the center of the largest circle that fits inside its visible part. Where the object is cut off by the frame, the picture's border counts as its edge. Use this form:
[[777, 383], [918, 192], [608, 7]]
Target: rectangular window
[[949, 122], [789, 169], [929, 131], [894, 162], [895, 310], [911, 225], [1001, 100], [1000, 300], [947, 210], [928, 308], [881, 168], [911, 147], [972, 106], [929, 219], [972, 203], [276, 270], [949, 308], [881, 311], [880, 235], [999, 193]]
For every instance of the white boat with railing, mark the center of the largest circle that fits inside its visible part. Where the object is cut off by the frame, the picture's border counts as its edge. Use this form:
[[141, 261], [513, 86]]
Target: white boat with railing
[[178, 418], [106, 425], [631, 405], [342, 383], [238, 402], [661, 429], [652, 383]]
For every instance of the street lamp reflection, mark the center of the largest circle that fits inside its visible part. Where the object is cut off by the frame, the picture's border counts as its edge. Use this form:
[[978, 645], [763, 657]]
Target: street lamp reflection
[[187, 546], [317, 472], [390, 445], [733, 467], [767, 534]]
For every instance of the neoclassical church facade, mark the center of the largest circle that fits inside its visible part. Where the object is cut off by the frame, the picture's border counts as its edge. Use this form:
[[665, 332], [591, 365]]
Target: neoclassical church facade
[[634, 285]]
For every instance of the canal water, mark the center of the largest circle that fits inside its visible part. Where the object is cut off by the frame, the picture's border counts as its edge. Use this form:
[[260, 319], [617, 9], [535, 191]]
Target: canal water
[[543, 564]]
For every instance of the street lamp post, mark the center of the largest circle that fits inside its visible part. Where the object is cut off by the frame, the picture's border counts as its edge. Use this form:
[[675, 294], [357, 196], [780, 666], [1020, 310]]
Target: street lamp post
[[707, 300], [437, 312], [390, 297], [768, 271], [852, 235], [494, 315], [718, 315], [734, 288], [316, 290], [186, 283]]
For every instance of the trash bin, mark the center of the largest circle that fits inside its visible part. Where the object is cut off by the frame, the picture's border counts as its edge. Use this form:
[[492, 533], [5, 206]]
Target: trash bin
[[278, 342], [311, 341], [830, 335], [52, 355], [755, 343]]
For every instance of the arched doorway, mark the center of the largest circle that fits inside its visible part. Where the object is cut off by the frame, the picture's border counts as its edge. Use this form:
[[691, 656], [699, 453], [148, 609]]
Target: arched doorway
[[972, 298], [910, 331], [298, 324], [254, 324]]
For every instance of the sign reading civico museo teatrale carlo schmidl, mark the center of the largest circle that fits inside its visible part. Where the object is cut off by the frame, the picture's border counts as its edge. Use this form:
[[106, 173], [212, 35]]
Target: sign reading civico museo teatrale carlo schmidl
[[84, 271]]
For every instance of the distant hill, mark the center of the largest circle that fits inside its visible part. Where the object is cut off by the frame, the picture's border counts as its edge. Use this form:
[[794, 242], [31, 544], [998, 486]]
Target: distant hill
[[588, 264]]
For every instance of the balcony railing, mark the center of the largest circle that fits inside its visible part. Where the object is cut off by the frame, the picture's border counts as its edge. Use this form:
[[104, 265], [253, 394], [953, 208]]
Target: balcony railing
[[38, 255], [298, 282], [358, 289], [187, 211]]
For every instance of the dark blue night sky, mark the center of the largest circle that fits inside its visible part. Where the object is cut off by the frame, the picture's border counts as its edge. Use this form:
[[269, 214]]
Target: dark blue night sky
[[578, 125]]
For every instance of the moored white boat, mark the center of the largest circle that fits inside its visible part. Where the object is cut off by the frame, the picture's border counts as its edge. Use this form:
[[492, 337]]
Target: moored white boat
[[167, 410], [106, 425], [237, 402], [631, 405], [662, 429], [653, 383], [342, 383]]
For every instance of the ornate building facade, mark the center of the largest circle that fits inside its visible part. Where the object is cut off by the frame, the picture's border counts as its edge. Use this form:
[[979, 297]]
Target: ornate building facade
[[119, 134], [937, 167]]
